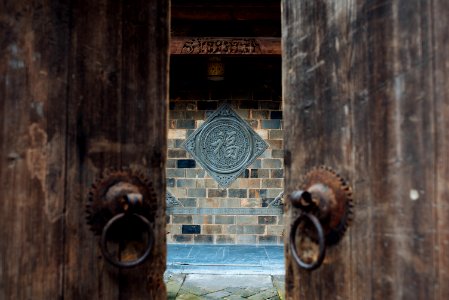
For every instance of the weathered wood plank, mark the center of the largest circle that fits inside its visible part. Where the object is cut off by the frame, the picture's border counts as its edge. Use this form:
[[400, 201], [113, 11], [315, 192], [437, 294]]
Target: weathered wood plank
[[34, 40], [225, 46], [440, 23], [372, 63], [117, 119]]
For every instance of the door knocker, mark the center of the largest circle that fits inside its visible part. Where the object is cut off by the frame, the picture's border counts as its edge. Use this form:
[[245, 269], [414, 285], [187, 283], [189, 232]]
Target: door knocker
[[325, 203], [118, 210]]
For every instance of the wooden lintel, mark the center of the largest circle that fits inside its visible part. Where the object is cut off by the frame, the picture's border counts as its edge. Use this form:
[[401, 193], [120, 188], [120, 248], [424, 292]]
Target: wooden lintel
[[225, 46]]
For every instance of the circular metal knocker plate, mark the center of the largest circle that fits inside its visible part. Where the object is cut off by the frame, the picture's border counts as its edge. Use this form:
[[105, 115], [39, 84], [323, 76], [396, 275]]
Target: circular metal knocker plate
[[338, 194], [119, 210]]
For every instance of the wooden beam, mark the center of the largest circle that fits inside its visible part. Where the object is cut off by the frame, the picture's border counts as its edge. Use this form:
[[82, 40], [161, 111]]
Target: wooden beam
[[225, 46], [226, 10]]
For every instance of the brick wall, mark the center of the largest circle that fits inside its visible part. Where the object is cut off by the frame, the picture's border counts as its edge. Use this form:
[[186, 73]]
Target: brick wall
[[257, 99]]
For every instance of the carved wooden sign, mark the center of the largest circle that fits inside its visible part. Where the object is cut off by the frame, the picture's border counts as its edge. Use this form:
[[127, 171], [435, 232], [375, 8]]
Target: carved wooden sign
[[220, 46], [225, 46]]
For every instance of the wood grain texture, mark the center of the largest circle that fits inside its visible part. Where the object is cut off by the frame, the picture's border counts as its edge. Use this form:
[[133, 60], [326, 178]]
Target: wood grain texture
[[365, 94], [33, 74], [83, 87]]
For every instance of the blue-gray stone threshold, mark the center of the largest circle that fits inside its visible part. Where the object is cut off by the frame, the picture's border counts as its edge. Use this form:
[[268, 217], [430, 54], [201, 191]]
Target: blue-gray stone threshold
[[225, 259]]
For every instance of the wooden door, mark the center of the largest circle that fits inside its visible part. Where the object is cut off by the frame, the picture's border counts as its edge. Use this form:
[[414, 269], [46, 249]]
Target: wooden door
[[83, 87], [366, 93]]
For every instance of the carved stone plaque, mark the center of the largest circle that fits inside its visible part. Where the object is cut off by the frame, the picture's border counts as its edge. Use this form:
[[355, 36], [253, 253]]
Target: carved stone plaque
[[225, 145]]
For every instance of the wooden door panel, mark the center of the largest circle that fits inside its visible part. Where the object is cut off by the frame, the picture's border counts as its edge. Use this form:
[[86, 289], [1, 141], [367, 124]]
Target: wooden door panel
[[84, 88], [33, 73], [360, 92]]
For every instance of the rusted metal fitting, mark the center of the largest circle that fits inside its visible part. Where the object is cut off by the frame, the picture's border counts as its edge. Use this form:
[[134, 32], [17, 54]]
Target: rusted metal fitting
[[325, 200]]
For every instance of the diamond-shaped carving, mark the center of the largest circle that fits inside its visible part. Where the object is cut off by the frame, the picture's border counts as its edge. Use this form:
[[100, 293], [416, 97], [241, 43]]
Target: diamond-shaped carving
[[225, 145]]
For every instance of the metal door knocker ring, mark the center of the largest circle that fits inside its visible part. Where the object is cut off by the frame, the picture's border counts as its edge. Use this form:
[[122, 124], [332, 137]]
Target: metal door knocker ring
[[119, 210], [325, 200], [104, 241], [321, 242]]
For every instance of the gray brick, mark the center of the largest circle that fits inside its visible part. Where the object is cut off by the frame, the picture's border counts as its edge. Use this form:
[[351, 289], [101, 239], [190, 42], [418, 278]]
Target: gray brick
[[194, 115], [238, 193], [176, 115], [171, 182], [257, 164], [171, 163], [212, 229], [229, 202], [185, 124], [271, 124], [188, 202], [253, 123], [272, 183], [224, 239], [248, 202], [195, 173], [177, 153], [185, 183], [257, 193], [260, 114], [198, 192], [281, 220], [178, 143], [182, 238], [275, 230], [277, 173], [263, 173], [273, 193], [246, 229], [268, 239], [275, 144], [267, 220], [276, 134], [203, 239], [271, 163], [171, 143], [202, 219], [216, 193], [246, 239], [277, 153], [175, 172], [224, 219], [182, 219], [208, 202], [246, 220]]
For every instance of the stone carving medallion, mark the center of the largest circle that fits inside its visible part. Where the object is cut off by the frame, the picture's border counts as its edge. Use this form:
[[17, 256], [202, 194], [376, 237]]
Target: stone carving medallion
[[225, 145]]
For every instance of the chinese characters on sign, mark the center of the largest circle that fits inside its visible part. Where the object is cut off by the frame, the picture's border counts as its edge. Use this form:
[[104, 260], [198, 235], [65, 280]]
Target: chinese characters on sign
[[225, 145], [220, 46]]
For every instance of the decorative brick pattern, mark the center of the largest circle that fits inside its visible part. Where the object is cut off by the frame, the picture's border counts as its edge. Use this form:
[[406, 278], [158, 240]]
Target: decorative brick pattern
[[255, 188]]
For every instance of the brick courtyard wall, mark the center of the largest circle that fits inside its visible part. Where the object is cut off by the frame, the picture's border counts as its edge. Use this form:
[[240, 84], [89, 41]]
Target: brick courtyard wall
[[256, 187]]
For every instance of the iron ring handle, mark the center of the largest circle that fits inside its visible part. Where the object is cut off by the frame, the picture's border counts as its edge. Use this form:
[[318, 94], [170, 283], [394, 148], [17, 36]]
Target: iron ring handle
[[321, 242], [129, 264]]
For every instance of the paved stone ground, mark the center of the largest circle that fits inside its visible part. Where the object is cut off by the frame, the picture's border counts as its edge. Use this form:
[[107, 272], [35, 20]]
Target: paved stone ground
[[225, 272], [210, 286]]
